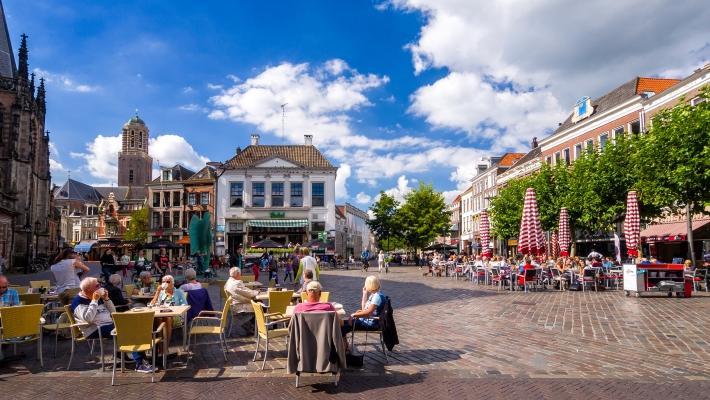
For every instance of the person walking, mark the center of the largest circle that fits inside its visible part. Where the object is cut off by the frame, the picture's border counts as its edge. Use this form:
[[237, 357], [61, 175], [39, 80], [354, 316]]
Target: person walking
[[380, 261], [273, 268]]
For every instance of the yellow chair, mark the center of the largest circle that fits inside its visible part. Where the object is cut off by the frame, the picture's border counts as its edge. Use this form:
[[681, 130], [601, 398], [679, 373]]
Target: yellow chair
[[22, 324], [134, 332], [263, 330], [40, 284], [221, 329], [278, 301], [205, 285], [78, 336], [324, 296], [30, 298], [129, 290], [247, 278]]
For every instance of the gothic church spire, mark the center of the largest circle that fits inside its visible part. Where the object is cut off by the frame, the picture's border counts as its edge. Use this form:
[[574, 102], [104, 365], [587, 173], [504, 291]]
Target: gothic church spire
[[7, 56]]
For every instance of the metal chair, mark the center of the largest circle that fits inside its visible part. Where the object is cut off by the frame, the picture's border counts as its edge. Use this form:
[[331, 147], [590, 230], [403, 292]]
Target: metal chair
[[22, 324], [134, 333], [264, 331], [221, 329], [78, 336]]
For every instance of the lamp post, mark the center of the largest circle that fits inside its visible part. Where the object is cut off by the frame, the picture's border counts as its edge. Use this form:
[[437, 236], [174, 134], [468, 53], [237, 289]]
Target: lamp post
[[38, 226], [28, 246]]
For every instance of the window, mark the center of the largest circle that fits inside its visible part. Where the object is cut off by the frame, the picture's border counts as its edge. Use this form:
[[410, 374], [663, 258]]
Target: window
[[568, 160], [618, 132], [236, 194], [317, 226], [176, 199], [167, 175], [548, 160], [205, 198], [191, 199], [317, 194], [697, 100], [130, 176], [236, 226], [558, 157], [133, 139], [166, 199], [176, 219], [590, 144], [635, 127], [140, 140], [156, 199], [156, 220], [577, 150], [296, 194], [257, 194], [603, 139], [166, 219], [277, 194]]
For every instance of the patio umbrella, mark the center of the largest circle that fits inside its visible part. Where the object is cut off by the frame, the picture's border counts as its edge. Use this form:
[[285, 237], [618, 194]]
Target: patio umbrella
[[485, 234], [555, 245], [531, 239], [266, 244], [564, 237], [632, 224]]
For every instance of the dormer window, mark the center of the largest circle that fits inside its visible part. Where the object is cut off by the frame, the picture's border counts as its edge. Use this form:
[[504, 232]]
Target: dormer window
[[167, 175]]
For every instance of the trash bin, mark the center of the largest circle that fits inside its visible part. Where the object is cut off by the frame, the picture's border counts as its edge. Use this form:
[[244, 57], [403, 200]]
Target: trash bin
[[688, 288]]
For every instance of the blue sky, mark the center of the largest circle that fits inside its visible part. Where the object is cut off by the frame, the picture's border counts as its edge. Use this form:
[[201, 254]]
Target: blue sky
[[393, 92]]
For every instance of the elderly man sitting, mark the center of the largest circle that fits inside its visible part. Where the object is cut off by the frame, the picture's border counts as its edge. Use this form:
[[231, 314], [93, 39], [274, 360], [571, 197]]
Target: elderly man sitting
[[241, 297], [8, 297], [191, 282], [312, 303], [93, 307]]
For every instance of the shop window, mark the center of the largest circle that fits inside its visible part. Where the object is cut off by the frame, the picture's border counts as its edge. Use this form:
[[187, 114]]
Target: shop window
[[317, 226]]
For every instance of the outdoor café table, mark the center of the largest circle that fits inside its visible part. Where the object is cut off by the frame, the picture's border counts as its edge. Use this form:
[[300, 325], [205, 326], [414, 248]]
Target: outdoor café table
[[169, 311], [49, 297]]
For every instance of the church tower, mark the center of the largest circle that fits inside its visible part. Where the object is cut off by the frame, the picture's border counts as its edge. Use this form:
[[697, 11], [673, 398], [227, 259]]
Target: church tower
[[134, 163]]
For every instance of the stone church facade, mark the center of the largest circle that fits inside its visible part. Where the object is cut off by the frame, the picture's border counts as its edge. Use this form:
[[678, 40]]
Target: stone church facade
[[24, 158]]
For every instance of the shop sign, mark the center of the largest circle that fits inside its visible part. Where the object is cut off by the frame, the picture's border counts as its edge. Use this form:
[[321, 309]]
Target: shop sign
[[323, 236], [220, 228], [512, 242], [277, 214]]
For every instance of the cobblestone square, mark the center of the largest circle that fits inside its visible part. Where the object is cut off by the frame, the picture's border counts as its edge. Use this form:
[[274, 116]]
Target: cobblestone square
[[457, 339]]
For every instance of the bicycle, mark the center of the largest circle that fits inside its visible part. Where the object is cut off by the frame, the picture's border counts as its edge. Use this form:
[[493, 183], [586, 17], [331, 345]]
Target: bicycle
[[38, 264]]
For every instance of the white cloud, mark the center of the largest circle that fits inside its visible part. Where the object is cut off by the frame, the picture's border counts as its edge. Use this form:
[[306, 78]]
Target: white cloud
[[318, 100], [402, 188], [507, 59], [101, 156], [188, 90], [212, 86], [192, 107], [341, 181], [363, 198], [64, 82], [55, 166]]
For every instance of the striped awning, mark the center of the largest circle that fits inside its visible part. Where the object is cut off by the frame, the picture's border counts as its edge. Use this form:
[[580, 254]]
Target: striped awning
[[277, 223]]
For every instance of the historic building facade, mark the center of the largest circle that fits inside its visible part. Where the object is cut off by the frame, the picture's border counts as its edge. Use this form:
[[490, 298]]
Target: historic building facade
[[167, 210], [282, 192], [134, 163], [24, 158]]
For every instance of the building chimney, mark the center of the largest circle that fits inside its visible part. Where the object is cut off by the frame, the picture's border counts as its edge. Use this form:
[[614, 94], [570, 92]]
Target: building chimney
[[239, 150], [254, 139], [534, 143], [308, 140]]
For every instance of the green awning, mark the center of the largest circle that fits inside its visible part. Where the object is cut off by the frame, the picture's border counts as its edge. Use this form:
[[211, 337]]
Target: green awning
[[277, 223]]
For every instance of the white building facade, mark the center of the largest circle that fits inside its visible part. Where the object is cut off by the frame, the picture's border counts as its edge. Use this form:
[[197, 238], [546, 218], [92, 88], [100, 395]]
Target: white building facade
[[285, 193]]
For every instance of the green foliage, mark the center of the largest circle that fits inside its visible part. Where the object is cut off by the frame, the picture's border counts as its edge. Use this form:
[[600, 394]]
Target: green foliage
[[384, 223], [673, 160], [423, 217], [137, 230], [507, 208]]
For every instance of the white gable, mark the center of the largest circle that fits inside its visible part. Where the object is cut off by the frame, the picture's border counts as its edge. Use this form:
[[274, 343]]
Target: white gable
[[277, 163]]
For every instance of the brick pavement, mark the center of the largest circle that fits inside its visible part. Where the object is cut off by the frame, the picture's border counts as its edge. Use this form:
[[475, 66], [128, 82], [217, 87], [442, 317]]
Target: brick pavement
[[457, 338]]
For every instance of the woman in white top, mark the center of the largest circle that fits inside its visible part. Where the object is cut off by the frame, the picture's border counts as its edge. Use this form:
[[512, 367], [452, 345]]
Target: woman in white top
[[65, 269]]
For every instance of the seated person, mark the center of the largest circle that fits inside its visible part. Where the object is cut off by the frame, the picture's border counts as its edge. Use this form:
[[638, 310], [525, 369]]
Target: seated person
[[145, 280], [241, 296], [372, 303], [115, 291], [8, 297], [307, 277], [191, 282], [93, 306], [312, 303], [168, 295]]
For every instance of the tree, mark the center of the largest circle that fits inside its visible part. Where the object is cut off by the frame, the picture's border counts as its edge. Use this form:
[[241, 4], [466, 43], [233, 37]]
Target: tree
[[506, 208], [673, 161], [383, 222], [138, 226], [423, 216]]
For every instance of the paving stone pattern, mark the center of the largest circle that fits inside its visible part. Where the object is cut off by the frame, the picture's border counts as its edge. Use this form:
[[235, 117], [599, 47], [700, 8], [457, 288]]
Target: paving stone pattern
[[457, 339]]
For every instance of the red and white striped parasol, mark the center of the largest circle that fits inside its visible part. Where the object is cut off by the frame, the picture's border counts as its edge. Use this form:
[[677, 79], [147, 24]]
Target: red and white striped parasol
[[632, 224], [554, 245], [485, 234], [564, 236], [531, 239]]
